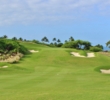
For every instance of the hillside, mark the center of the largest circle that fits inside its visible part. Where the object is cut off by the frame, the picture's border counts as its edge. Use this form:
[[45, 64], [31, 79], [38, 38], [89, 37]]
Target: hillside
[[54, 74]]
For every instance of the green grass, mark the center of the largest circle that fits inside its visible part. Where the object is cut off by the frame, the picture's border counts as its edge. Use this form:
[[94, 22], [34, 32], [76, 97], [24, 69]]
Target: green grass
[[83, 52], [53, 74]]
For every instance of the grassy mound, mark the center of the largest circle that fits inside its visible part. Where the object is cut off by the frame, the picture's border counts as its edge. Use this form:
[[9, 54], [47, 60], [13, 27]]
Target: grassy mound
[[102, 67]]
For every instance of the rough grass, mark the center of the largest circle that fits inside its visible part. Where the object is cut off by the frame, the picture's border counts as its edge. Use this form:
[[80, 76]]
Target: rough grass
[[83, 52], [53, 74]]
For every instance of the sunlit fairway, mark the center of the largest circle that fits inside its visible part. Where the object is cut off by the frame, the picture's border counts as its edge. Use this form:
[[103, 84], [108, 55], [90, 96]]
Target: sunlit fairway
[[54, 74]]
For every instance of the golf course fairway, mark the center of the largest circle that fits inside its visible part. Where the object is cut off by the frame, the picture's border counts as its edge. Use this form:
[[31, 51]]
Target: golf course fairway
[[55, 74]]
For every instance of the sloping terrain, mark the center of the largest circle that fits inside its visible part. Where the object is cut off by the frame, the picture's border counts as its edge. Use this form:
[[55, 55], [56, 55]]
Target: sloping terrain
[[53, 74]]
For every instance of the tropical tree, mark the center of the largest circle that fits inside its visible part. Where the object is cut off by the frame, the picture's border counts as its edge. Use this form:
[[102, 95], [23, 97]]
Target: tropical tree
[[5, 36], [42, 39], [51, 43], [78, 44], [108, 44], [100, 46], [71, 39], [20, 39], [35, 41], [54, 39], [55, 44], [58, 41], [71, 44], [25, 40], [66, 41], [45, 39], [14, 38], [87, 45]]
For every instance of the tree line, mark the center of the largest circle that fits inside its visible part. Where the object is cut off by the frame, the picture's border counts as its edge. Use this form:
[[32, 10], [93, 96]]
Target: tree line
[[70, 43]]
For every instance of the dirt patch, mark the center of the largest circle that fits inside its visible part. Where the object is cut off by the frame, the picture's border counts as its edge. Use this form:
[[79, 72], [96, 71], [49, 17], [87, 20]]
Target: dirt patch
[[11, 59]]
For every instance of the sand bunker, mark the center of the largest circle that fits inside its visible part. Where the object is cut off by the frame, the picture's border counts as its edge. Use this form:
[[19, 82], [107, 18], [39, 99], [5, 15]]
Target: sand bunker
[[105, 71], [89, 55], [76, 54], [4, 67], [33, 51]]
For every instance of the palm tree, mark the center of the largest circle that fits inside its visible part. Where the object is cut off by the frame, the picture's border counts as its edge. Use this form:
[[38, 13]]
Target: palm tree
[[20, 39], [45, 39], [66, 41], [87, 45], [100, 46], [42, 39], [58, 41], [14, 38], [54, 39], [108, 44], [5, 36], [51, 43], [71, 39], [25, 40], [55, 44]]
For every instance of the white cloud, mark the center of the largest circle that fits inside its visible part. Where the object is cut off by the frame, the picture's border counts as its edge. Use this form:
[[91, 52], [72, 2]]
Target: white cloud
[[30, 11]]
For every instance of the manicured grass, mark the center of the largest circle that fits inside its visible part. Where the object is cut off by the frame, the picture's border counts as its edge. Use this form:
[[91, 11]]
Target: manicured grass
[[54, 74]]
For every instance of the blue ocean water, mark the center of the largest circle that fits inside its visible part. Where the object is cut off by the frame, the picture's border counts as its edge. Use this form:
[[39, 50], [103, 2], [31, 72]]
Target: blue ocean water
[[106, 48]]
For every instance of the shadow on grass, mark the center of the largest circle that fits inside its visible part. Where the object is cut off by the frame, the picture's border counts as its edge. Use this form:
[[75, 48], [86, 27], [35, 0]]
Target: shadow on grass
[[102, 67], [24, 57], [15, 69], [69, 51]]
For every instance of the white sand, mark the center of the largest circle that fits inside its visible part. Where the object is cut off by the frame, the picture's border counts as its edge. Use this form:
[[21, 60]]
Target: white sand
[[33, 51], [105, 71], [76, 54], [89, 55], [4, 67]]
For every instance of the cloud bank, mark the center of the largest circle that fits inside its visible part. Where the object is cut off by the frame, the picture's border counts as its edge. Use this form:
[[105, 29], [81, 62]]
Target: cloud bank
[[35, 11]]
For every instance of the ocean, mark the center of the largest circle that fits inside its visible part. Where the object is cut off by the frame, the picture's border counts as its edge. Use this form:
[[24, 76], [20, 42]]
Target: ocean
[[106, 48]]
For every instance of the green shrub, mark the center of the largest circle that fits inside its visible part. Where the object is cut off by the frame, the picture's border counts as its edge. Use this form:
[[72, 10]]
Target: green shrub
[[11, 51], [8, 46], [95, 49], [78, 44], [71, 44], [23, 50]]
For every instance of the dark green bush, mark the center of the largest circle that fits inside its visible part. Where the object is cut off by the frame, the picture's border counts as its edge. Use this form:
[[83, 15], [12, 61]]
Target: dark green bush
[[59, 44], [23, 50], [78, 44], [95, 49], [8, 46]]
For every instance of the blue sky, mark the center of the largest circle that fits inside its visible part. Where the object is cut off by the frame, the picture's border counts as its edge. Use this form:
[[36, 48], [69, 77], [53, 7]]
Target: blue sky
[[33, 19]]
